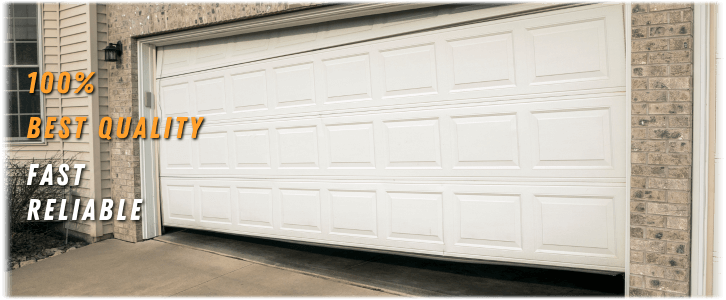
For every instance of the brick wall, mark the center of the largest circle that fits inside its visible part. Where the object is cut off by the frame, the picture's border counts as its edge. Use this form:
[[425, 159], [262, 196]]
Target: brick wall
[[662, 81], [125, 21]]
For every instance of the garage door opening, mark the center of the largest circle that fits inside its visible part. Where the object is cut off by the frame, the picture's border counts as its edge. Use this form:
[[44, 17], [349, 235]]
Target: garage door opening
[[500, 141], [403, 274]]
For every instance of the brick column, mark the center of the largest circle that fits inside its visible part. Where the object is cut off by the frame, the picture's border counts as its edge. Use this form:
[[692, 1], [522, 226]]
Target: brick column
[[124, 103], [662, 80]]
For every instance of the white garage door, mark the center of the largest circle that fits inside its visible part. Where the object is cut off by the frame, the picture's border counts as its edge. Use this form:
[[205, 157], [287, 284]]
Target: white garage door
[[500, 140]]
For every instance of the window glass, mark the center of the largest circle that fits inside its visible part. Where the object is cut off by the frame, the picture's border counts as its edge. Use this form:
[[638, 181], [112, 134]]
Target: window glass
[[14, 124], [24, 10], [24, 81], [7, 29], [24, 123], [26, 29], [13, 105], [21, 60], [10, 58], [26, 54], [29, 103], [11, 81]]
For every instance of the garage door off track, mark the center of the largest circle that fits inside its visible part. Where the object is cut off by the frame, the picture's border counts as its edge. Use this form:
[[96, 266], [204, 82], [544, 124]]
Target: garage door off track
[[501, 140]]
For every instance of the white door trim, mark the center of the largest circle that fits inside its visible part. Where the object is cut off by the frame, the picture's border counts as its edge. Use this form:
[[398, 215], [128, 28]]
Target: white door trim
[[325, 14], [699, 215], [627, 14]]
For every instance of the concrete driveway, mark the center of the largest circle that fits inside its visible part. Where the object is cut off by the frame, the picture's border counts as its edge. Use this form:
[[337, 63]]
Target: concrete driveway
[[200, 263], [154, 268]]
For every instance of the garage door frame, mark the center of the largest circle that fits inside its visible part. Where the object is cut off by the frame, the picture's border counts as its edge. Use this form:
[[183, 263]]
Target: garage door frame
[[149, 163]]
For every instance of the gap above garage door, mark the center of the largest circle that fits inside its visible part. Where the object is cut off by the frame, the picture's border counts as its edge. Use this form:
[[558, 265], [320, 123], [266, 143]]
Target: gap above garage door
[[501, 140]]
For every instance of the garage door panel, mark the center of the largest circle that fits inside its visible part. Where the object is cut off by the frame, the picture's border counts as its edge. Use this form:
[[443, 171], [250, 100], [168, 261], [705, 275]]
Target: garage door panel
[[298, 147], [210, 96], [583, 138], [214, 149], [548, 223], [487, 141], [581, 225], [578, 138], [409, 70], [416, 217], [351, 145], [354, 213], [480, 61], [249, 91], [488, 220], [216, 205], [177, 154], [254, 207], [534, 223], [294, 85], [252, 149], [500, 140], [180, 203], [347, 78], [567, 52], [412, 144], [176, 99], [473, 71]]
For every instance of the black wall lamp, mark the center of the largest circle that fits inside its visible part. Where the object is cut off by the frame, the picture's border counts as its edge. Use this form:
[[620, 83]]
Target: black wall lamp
[[112, 52]]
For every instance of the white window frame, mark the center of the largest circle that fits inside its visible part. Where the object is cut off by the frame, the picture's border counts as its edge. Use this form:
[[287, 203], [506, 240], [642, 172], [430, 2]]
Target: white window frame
[[41, 139]]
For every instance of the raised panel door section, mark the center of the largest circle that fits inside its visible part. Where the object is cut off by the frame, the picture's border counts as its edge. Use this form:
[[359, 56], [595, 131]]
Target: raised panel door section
[[213, 150], [413, 144], [180, 202], [210, 97], [347, 79], [216, 205], [177, 56], [295, 85], [255, 207], [489, 221], [300, 209], [351, 146], [574, 51], [416, 217], [483, 62], [348, 26], [298, 147], [296, 35], [211, 50], [575, 225], [353, 213], [250, 43], [409, 71], [486, 142], [176, 100], [252, 149], [577, 138], [177, 153], [249, 91]]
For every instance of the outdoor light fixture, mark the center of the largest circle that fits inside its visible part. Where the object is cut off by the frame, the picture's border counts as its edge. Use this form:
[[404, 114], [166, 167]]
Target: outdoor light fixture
[[112, 52]]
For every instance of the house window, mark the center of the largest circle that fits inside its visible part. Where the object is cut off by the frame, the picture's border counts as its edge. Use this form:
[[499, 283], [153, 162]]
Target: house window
[[22, 59]]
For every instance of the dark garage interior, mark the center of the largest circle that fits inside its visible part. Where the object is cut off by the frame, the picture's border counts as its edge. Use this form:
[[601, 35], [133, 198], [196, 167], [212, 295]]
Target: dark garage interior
[[402, 274]]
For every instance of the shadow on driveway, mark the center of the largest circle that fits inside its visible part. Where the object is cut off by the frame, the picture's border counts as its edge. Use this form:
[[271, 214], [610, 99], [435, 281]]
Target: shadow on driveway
[[404, 274]]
